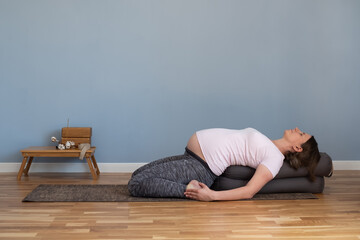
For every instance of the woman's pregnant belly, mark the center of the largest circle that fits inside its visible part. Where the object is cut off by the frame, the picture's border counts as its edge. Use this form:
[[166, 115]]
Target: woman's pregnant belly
[[194, 146]]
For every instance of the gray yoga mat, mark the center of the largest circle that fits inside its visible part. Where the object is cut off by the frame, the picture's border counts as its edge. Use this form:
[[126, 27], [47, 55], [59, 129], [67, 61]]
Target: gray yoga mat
[[119, 193]]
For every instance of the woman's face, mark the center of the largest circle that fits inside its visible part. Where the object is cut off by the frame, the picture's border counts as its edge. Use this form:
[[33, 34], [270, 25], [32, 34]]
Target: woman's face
[[296, 137]]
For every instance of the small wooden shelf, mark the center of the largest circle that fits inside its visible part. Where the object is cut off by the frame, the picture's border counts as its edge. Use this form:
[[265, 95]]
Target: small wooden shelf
[[52, 151]]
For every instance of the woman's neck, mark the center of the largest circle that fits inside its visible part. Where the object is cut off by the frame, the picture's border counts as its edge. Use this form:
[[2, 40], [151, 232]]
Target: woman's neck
[[282, 145]]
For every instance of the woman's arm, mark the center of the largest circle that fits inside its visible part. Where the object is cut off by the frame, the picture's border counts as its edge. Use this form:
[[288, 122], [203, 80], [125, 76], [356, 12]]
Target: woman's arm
[[261, 177]]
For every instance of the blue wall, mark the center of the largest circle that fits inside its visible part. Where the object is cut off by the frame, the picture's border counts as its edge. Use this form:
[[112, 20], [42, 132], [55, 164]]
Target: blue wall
[[147, 74]]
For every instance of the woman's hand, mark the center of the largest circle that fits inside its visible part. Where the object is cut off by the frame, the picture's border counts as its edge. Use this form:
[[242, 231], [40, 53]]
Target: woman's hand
[[202, 194]]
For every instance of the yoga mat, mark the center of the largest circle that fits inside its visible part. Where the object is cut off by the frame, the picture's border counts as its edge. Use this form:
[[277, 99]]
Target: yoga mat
[[119, 193]]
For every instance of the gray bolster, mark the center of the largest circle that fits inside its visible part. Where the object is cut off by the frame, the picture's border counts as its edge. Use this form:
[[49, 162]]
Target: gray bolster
[[282, 185], [324, 168]]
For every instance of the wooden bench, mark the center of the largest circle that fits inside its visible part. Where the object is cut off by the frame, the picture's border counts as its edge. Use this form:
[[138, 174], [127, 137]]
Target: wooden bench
[[77, 135]]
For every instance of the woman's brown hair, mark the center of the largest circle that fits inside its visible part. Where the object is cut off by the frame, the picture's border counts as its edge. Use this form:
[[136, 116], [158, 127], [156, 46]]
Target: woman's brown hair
[[308, 158]]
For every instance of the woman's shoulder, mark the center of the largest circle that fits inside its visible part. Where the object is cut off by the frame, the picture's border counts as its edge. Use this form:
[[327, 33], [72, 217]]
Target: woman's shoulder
[[263, 142], [257, 135]]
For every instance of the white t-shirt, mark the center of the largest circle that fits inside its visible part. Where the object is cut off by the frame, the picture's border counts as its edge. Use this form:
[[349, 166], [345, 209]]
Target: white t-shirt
[[247, 147]]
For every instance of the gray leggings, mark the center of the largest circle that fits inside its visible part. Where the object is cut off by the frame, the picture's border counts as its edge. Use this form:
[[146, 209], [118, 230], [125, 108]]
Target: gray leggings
[[169, 176]]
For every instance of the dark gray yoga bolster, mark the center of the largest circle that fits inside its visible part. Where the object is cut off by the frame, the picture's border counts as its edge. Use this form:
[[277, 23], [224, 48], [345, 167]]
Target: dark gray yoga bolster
[[287, 180], [281, 185]]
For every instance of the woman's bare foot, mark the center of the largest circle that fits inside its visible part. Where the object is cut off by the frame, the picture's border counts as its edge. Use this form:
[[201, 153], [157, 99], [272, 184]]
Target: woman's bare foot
[[193, 184]]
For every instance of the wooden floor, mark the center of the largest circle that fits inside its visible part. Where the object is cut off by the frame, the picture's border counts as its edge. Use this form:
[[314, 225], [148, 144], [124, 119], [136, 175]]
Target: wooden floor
[[336, 215]]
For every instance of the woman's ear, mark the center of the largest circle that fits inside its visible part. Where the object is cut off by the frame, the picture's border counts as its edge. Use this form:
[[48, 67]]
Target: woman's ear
[[297, 149]]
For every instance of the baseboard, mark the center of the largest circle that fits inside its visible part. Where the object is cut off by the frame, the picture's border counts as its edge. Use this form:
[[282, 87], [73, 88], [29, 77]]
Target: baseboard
[[71, 167], [123, 167], [347, 165]]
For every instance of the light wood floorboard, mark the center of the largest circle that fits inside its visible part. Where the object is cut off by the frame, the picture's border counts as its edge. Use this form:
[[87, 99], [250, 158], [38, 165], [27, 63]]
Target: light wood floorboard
[[335, 215]]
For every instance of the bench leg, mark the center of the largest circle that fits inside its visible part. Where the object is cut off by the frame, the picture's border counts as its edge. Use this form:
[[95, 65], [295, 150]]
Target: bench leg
[[21, 170], [95, 164], [91, 167], [26, 171]]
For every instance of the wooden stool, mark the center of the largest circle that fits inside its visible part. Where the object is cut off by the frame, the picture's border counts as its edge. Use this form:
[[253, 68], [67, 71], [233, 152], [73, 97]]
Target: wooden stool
[[31, 152], [74, 134]]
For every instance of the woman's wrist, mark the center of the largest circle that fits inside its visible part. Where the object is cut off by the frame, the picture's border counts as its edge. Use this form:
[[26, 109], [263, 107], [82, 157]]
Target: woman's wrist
[[214, 195]]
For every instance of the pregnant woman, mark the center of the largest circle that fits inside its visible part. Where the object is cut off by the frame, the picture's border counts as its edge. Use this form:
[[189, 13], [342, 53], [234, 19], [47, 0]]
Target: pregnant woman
[[209, 152]]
